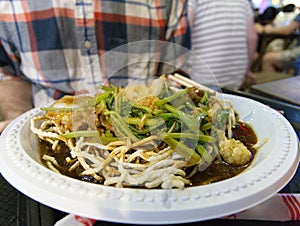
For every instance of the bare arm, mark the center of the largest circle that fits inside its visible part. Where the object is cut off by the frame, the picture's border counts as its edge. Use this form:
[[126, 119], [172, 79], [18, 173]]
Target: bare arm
[[285, 30], [15, 99], [252, 40]]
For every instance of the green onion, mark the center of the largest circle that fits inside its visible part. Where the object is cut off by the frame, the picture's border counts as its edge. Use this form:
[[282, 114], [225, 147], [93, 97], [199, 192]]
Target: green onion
[[90, 134], [60, 109], [144, 108], [121, 127], [203, 152], [205, 126], [176, 95], [80, 133], [190, 155], [193, 136], [98, 98]]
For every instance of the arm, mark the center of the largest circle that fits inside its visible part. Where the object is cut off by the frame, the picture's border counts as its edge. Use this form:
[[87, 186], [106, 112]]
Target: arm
[[15, 99], [15, 95], [259, 28], [252, 40], [191, 7], [285, 30]]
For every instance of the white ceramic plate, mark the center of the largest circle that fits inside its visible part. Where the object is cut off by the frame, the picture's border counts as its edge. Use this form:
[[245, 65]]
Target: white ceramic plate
[[272, 168]]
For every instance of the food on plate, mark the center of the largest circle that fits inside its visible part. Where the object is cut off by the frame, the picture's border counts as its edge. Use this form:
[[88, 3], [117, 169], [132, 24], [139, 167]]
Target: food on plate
[[145, 136]]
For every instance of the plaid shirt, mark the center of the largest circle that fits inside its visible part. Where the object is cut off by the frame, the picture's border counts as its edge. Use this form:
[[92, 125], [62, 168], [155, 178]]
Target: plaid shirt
[[56, 44]]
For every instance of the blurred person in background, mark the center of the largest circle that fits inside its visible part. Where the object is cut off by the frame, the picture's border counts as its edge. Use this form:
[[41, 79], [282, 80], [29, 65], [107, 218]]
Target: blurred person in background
[[285, 59], [224, 37], [267, 17], [283, 18], [286, 15], [47, 46]]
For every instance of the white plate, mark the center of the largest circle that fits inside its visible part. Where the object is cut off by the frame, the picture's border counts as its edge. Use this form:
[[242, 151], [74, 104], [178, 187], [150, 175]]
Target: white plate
[[272, 168]]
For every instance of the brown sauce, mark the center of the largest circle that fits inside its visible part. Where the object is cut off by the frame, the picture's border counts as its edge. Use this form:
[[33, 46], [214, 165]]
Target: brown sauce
[[45, 149], [217, 171], [220, 170]]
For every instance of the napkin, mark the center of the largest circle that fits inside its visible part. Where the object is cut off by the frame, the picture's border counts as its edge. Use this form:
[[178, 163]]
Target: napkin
[[280, 207], [74, 220]]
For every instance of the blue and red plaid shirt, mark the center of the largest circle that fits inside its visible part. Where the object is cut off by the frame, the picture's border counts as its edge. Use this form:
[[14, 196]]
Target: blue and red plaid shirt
[[68, 46]]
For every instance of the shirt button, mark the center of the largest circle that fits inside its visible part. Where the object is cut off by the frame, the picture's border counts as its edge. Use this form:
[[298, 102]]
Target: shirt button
[[87, 44]]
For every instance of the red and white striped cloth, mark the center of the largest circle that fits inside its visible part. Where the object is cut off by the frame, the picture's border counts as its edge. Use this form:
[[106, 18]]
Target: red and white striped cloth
[[73, 220], [280, 207]]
